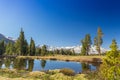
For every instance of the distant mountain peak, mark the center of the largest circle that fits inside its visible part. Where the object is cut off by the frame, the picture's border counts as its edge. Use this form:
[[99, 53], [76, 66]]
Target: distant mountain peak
[[6, 39]]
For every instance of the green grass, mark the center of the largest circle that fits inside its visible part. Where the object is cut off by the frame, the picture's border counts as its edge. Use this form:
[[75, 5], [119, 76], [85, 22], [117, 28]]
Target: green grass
[[37, 75]]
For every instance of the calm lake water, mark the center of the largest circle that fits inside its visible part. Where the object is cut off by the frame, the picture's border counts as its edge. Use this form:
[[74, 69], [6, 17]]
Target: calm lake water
[[38, 65]]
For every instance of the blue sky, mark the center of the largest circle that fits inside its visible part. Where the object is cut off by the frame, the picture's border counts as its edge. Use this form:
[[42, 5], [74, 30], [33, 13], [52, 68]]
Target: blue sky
[[60, 22]]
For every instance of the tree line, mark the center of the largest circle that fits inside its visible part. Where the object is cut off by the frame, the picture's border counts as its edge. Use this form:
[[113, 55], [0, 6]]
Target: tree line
[[22, 48]]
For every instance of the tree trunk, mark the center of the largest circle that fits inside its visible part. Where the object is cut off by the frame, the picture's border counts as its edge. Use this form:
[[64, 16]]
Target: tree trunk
[[99, 51]]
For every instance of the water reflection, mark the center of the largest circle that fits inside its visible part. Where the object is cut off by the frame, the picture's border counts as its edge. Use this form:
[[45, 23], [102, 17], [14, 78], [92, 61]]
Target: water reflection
[[43, 63], [37, 65], [7, 63], [1, 63], [30, 65], [20, 64], [85, 67]]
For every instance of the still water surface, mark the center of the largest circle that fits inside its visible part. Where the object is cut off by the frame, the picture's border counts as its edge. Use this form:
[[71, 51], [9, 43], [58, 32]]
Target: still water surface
[[38, 65]]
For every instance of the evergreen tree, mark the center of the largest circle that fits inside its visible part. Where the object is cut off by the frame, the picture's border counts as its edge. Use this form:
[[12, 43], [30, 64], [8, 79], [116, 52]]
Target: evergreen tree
[[44, 50], [68, 51], [110, 69], [86, 44], [21, 44], [62, 52], [73, 52], [2, 47], [98, 40], [25, 48], [56, 51], [17, 48], [83, 49], [10, 49], [38, 51], [32, 47]]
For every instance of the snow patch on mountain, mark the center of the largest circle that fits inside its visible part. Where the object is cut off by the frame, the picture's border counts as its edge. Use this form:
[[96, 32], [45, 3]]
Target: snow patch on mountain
[[6, 39], [77, 49], [11, 38]]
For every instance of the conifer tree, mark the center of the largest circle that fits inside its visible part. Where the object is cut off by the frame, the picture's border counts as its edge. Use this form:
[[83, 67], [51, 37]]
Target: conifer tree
[[38, 51], [44, 50], [73, 52], [32, 47], [2, 47], [98, 40], [21, 44], [25, 48], [10, 49], [110, 69], [83, 49], [56, 51], [62, 52], [86, 44]]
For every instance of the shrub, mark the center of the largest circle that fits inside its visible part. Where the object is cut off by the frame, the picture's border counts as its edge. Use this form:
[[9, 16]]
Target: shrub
[[36, 74], [67, 71]]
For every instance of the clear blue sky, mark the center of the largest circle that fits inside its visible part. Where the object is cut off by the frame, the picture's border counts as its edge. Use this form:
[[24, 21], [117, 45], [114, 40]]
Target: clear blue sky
[[60, 22]]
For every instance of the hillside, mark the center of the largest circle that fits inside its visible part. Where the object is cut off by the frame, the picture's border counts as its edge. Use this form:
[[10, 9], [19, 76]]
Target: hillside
[[2, 37]]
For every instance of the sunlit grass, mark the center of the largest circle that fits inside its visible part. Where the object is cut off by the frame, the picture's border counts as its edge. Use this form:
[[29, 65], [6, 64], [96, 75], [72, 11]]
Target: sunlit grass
[[38, 75], [66, 58]]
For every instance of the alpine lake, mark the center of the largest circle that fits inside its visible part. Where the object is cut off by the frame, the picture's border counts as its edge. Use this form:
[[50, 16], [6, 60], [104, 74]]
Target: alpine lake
[[44, 65]]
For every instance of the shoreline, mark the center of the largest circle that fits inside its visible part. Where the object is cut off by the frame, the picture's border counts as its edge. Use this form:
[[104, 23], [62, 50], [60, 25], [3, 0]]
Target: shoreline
[[88, 59]]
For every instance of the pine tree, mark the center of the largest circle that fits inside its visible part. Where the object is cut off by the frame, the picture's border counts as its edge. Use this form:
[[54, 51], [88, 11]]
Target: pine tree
[[110, 69], [10, 49], [83, 49], [56, 51], [73, 52], [21, 44], [38, 51], [86, 44], [98, 40], [44, 50], [32, 48], [62, 52], [2, 47], [25, 48]]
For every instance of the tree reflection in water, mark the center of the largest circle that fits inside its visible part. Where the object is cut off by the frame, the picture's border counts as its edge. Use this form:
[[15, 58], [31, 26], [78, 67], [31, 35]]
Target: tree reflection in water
[[43, 63], [30, 65], [85, 67], [1, 63], [20, 64]]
